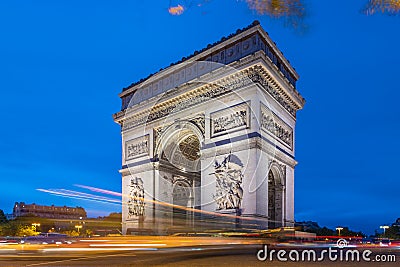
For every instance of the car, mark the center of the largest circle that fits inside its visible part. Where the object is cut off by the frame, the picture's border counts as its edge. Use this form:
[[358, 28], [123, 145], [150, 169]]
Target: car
[[385, 243], [46, 238]]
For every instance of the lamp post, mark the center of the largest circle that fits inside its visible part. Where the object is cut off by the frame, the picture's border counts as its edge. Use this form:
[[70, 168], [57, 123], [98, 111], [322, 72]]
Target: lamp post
[[35, 225], [384, 227], [78, 227], [339, 229]]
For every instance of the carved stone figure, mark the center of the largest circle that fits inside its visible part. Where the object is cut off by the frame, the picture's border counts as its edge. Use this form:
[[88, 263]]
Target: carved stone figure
[[277, 127], [229, 178], [136, 198], [137, 147]]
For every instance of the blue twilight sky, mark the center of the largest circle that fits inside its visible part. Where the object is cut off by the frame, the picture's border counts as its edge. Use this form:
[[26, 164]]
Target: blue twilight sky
[[64, 62]]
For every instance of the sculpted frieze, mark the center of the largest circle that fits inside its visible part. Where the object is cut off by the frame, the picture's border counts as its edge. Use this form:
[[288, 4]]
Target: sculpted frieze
[[230, 119], [247, 77], [137, 147], [272, 124]]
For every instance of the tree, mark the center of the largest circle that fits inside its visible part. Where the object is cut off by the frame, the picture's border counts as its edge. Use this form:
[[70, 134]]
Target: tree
[[347, 232], [383, 6], [3, 218], [25, 230], [277, 8], [393, 232], [72, 233], [292, 12]]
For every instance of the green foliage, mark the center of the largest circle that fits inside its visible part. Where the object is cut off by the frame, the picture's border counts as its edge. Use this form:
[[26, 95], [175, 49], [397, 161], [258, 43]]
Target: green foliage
[[72, 233], [313, 227], [23, 226], [393, 232], [25, 230], [16, 228], [3, 218], [88, 232], [347, 232]]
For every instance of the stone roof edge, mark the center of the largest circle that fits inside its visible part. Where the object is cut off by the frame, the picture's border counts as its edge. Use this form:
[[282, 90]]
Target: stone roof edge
[[240, 33]]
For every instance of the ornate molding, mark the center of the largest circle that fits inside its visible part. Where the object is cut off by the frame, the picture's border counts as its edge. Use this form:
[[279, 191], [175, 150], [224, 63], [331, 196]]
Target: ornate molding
[[209, 91], [200, 122], [178, 178], [259, 75], [281, 168]]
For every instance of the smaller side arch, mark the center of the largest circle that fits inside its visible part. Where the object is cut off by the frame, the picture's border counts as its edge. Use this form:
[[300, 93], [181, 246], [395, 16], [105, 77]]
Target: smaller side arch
[[276, 195]]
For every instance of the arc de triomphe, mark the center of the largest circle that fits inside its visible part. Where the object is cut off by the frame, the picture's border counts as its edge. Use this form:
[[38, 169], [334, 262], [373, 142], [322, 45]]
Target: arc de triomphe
[[208, 143]]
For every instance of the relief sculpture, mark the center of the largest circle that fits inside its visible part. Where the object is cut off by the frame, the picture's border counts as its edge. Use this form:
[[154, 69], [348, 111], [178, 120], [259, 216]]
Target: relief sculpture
[[272, 124], [230, 119], [229, 176], [136, 198], [137, 147]]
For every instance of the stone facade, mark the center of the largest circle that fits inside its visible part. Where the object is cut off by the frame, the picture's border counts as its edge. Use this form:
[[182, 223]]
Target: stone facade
[[205, 141], [54, 212]]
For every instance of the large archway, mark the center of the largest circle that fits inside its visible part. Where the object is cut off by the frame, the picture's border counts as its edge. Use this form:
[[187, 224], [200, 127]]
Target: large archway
[[180, 166]]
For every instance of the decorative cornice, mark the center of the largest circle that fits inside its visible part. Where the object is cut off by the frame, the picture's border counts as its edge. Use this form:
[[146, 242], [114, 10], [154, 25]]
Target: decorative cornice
[[261, 76], [255, 74]]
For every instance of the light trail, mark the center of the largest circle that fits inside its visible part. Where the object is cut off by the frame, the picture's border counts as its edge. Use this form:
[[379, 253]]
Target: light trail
[[166, 204], [93, 249], [103, 191], [79, 195], [127, 245], [86, 196]]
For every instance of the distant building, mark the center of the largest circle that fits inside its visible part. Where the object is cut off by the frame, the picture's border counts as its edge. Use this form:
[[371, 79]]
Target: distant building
[[397, 222], [9, 216], [54, 212]]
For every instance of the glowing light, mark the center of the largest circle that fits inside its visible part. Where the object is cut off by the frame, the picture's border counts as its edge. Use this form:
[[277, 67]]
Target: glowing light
[[277, 8], [102, 199], [127, 245], [80, 195], [383, 6], [94, 189], [176, 10], [93, 249]]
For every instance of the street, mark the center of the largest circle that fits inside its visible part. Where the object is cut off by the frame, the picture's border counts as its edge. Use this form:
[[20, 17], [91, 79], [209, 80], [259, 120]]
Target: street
[[170, 251]]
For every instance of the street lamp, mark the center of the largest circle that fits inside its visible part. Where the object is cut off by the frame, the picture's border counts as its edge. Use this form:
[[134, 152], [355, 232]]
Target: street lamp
[[339, 229], [384, 227], [35, 225], [78, 227]]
